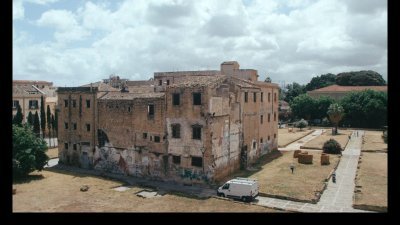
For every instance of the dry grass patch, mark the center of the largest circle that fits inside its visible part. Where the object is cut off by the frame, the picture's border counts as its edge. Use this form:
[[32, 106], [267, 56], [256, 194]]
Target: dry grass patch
[[304, 184], [60, 192], [318, 142], [52, 153], [285, 137], [373, 141], [371, 182]]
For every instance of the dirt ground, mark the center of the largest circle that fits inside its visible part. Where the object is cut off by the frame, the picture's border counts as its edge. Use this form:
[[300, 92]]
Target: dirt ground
[[48, 191], [285, 137], [318, 142], [275, 177], [52, 153], [371, 182], [373, 141]]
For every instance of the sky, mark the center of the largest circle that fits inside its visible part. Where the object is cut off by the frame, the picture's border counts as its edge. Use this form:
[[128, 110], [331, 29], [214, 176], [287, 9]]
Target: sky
[[76, 42]]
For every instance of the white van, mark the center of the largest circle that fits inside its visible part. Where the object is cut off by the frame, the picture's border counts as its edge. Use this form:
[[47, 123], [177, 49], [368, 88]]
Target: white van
[[240, 188]]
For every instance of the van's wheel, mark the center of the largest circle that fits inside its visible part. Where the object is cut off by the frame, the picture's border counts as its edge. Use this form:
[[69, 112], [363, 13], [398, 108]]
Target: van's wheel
[[244, 199], [221, 195]]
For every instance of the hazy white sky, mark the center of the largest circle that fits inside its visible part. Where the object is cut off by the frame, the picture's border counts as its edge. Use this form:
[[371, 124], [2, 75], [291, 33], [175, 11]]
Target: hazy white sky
[[74, 42]]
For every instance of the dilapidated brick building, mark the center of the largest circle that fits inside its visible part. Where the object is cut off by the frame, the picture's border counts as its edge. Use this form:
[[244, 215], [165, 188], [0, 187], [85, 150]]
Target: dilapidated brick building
[[189, 125]]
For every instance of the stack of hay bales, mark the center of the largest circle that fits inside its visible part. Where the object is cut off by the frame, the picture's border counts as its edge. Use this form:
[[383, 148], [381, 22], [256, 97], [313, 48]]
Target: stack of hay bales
[[325, 159], [296, 154], [305, 158]]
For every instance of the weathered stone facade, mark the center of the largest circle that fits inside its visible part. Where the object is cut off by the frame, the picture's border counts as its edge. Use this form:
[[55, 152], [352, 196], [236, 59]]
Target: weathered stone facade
[[194, 126]]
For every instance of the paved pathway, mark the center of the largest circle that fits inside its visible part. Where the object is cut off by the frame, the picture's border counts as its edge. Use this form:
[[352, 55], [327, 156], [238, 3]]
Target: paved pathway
[[338, 197], [297, 144]]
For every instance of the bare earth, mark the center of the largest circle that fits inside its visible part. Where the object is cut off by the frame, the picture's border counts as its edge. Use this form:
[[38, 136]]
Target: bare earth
[[60, 192], [318, 142], [371, 182], [276, 178], [373, 141], [52, 153], [285, 137]]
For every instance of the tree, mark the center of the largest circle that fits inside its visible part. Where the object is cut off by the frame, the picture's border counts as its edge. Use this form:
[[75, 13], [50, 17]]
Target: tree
[[335, 113], [30, 119], [29, 151], [321, 106], [301, 124], [303, 106], [321, 81], [294, 90], [56, 122], [366, 108], [48, 115], [42, 116], [18, 117], [360, 78], [268, 80], [53, 124], [36, 124]]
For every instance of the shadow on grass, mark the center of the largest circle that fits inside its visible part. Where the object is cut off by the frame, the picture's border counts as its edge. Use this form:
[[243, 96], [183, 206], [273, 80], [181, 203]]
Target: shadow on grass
[[256, 167], [27, 179]]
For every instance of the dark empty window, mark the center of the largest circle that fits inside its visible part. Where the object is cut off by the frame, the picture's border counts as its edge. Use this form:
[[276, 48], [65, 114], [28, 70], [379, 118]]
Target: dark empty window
[[159, 82], [269, 97], [269, 117], [66, 125], [87, 103], [274, 135], [261, 140], [87, 127], [150, 110], [269, 138], [176, 159], [196, 98], [129, 109], [176, 130], [65, 145], [15, 104], [74, 103], [254, 145], [144, 135], [255, 97], [274, 97], [274, 116], [245, 97], [33, 104], [75, 126], [74, 146], [196, 132], [261, 119], [262, 96], [197, 161], [66, 103], [157, 139], [176, 99], [151, 138], [167, 82]]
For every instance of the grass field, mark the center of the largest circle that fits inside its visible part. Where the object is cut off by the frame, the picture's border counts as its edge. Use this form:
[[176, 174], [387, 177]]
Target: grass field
[[318, 142], [373, 141], [285, 137]]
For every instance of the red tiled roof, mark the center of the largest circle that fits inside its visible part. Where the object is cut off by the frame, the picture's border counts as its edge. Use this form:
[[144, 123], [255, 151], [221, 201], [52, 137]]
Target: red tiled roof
[[337, 88]]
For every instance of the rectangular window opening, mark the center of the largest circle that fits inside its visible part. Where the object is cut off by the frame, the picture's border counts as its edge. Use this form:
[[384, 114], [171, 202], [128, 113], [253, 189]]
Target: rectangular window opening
[[196, 132], [262, 96], [150, 110], [197, 161], [196, 98], [261, 119], [246, 97], [144, 135], [176, 130], [157, 139], [176, 159], [255, 96], [66, 146], [66, 103], [176, 99], [87, 127], [87, 103]]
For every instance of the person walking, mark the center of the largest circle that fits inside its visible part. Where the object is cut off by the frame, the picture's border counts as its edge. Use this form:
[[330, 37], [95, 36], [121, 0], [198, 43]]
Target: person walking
[[334, 177], [292, 167]]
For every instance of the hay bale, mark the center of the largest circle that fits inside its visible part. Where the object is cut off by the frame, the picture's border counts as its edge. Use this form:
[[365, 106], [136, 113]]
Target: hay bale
[[325, 159], [305, 158], [296, 153]]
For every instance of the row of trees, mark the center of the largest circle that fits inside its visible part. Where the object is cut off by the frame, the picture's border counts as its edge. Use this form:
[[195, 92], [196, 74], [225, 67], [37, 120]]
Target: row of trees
[[39, 125], [360, 109]]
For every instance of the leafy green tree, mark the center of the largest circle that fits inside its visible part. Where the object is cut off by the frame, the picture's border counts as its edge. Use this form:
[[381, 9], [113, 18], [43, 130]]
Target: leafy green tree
[[303, 106], [294, 90], [29, 151], [48, 118], [42, 116], [53, 124], [30, 119], [18, 116], [366, 108], [301, 124], [335, 113], [36, 124], [321, 81], [322, 104], [360, 78], [56, 122]]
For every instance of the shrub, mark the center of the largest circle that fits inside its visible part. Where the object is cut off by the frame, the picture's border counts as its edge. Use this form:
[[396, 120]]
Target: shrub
[[332, 147], [301, 124]]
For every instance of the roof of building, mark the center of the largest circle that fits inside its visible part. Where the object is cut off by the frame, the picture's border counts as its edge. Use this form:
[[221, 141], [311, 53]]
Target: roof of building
[[199, 81], [31, 82], [25, 90], [230, 63], [101, 86], [131, 96], [337, 88], [243, 83], [139, 82]]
